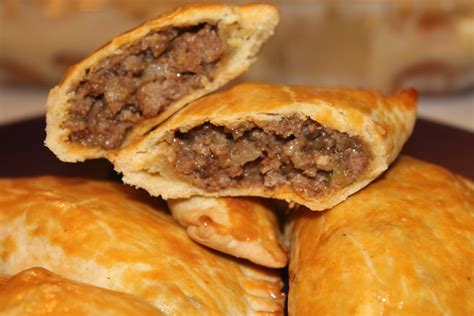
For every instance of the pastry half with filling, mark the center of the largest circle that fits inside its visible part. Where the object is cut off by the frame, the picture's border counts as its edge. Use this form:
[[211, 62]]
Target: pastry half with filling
[[107, 235], [242, 227], [403, 245], [140, 78], [37, 291], [307, 145]]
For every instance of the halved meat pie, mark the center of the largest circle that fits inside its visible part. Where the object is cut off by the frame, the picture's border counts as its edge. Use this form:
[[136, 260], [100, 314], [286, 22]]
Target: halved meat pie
[[142, 77], [302, 144]]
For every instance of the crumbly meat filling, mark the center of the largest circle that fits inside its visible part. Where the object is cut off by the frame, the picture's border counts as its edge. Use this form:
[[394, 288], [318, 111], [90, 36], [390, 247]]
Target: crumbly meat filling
[[140, 82], [293, 151]]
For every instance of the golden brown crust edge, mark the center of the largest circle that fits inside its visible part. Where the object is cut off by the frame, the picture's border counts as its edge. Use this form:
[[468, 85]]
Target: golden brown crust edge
[[256, 20], [403, 245], [383, 123]]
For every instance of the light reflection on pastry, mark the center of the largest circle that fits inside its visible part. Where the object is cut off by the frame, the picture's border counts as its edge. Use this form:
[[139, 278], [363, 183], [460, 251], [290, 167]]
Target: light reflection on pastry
[[107, 235], [37, 291], [242, 227], [403, 245], [308, 145], [140, 78]]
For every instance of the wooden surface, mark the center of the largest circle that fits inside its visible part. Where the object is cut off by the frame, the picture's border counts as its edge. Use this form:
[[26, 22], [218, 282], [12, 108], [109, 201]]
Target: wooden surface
[[23, 152]]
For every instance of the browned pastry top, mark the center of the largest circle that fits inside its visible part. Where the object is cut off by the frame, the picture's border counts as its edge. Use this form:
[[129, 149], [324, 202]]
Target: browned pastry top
[[111, 236], [403, 245]]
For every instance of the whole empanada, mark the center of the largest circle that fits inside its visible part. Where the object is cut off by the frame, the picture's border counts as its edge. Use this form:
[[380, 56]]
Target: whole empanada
[[107, 235], [37, 291], [242, 227], [140, 78], [307, 145], [404, 245]]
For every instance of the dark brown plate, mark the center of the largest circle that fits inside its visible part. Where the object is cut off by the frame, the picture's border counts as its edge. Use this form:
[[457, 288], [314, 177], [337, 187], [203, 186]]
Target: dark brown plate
[[23, 152]]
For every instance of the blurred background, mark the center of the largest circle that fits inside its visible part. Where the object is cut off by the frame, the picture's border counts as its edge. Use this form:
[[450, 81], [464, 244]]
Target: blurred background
[[381, 44]]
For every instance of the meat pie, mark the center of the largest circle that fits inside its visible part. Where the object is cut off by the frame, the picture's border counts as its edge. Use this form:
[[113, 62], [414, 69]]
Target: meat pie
[[38, 292], [117, 238], [301, 144], [401, 246], [142, 77], [242, 227]]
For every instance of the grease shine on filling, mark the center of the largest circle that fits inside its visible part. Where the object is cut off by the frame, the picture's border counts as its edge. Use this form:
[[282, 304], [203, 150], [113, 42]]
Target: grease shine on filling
[[294, 151]]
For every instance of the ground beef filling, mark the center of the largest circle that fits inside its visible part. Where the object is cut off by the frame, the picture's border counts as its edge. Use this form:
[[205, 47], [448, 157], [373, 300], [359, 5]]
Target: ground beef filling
[[296, 152], [141, 82]]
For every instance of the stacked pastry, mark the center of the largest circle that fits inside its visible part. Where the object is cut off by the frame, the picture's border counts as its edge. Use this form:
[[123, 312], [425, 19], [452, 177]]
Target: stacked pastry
[[361, 241]]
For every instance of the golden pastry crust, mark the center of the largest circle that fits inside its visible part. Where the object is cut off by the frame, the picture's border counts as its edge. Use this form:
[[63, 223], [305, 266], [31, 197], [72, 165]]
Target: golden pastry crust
[[242, 227], [382, 123], [37, 291], [255, 25], [114, 237], [403, 245]]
